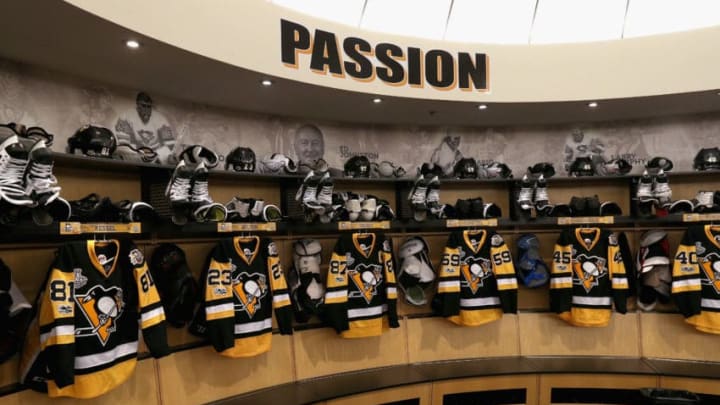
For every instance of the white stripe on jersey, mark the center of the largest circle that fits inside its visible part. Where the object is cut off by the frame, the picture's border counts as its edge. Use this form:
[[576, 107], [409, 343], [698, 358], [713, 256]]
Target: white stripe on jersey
[[98, 359], [506, 281], [213, 309], [392, 290], [62, 330], [686, 283], [336, 294], [619, 282], [281, 297], [448, 284], [591, 300], [560, 280], [709, 303], [479, 302], [151, 314], [370, 311], [253, 326]]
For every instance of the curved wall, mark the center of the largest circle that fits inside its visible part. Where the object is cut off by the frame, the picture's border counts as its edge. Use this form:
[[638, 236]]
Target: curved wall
[[247, 34]]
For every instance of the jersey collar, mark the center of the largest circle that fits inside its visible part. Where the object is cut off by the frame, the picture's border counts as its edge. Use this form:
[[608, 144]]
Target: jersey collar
[[91, 244], [239, 250], [355, 238], [709, 229], [476, 248], [579, 236]]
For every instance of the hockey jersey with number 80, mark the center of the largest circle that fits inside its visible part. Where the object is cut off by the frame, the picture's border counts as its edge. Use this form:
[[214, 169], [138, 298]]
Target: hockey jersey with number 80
[[477, 281], [84, 339], [588, 275]]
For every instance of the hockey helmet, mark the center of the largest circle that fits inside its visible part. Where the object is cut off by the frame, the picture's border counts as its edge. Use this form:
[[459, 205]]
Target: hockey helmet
[[466, 168], [241, 159], [496, 169], [274, 163], [707, 159], [195, 154], [430, 169], [614, 167], [582, 166], [357, 166], [543, 168], [93, 141], [657, 163], [175, 283]]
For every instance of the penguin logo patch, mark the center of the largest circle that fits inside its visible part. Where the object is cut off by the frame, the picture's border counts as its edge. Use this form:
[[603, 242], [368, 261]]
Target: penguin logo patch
[[475, 271], [588, 271], [710, 265], [101, 308], [367, 279], [249, 289]]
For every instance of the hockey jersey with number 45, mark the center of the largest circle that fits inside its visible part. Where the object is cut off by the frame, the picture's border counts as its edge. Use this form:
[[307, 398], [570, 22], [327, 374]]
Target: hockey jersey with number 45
[[361, 286], [242, 284], [696, 278], [588, 275], [477, 281], [84, 339]]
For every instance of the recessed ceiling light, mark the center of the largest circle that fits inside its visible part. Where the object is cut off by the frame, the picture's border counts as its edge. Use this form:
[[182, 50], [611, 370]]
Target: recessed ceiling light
[[377, 100], [592, 104], [482, 107], [132, 44], [266, 82]]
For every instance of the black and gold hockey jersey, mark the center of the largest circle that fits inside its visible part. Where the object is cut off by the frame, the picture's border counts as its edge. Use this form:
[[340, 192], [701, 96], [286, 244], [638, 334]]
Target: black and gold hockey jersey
[[696, 278], [84, 339], [361, 286], [588, 275], [477, 281], [242, 285]]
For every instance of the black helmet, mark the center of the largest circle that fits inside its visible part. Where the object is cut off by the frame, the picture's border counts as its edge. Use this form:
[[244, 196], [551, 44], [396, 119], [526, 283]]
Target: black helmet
[[582, 166], [357, 166], [494, 170], [707, 159], [659, 162], [93, 141], [175, 283], [466, 168], [543, 168], [241, 159], [430, 169]]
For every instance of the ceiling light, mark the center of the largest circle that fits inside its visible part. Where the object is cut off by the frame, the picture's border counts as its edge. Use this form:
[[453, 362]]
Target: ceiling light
[[482, 107], [132, 44], [377, 100], [592, 104], [266, 82]]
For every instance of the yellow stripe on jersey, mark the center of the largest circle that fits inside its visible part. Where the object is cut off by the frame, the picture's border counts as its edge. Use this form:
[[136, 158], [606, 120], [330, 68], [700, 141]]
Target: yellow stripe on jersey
[[386, 258], [450, 265], [147, 293], [95, 384], [218, 282], [337, 271], [502, 265], [277, 279], [685, 262], [152, 321]]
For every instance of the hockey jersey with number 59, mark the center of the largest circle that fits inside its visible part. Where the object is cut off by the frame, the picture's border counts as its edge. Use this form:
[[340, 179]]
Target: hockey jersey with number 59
[[84, 339], [477, 281], [696, 278], [588, 275]]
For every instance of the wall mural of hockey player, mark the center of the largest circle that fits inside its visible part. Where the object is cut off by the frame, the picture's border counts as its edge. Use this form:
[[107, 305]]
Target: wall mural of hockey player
[[447, 154], [143, 127], [309, 145], [578, 145]]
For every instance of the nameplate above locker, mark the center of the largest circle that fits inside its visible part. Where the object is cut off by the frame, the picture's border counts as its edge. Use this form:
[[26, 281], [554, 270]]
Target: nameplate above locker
[[467, 223], [701, 217], [585, 220], [224, 227], [78, 228], [350, 225]]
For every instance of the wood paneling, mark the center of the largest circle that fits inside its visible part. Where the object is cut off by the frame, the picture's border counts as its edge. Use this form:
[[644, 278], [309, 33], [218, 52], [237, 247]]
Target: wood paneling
[[433, 339], [140, 388], [423, 392], [223, 190], [202, 375], [697, 385], [321, 351], [29, 266], [611, 381], [668, 336], [496, 193], [529, 382], [544, 334], [9, 371], [76, 183]]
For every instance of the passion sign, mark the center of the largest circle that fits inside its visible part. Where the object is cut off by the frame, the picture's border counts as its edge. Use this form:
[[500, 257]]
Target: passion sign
[[387, 62]]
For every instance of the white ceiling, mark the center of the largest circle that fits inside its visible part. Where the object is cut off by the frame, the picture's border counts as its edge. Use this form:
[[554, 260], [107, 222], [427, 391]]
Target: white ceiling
[[516, 21]]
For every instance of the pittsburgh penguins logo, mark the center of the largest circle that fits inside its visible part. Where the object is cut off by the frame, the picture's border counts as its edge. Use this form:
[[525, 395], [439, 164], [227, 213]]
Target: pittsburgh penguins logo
[[367, 279], [475, 271], [102, 308], [710, 265], [588, 271], [249, 290]]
